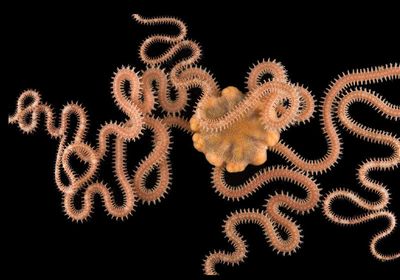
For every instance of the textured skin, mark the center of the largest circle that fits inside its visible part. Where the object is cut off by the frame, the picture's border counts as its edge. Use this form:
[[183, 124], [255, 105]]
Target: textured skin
[[335, 106], [243, 143], [153, 84], [269, 219]]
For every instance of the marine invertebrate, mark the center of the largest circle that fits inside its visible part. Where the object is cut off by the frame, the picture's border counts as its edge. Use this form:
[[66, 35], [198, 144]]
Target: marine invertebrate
[[233, 129]]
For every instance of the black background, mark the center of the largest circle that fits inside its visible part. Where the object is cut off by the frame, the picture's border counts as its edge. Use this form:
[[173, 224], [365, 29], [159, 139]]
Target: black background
[[69, 51]]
